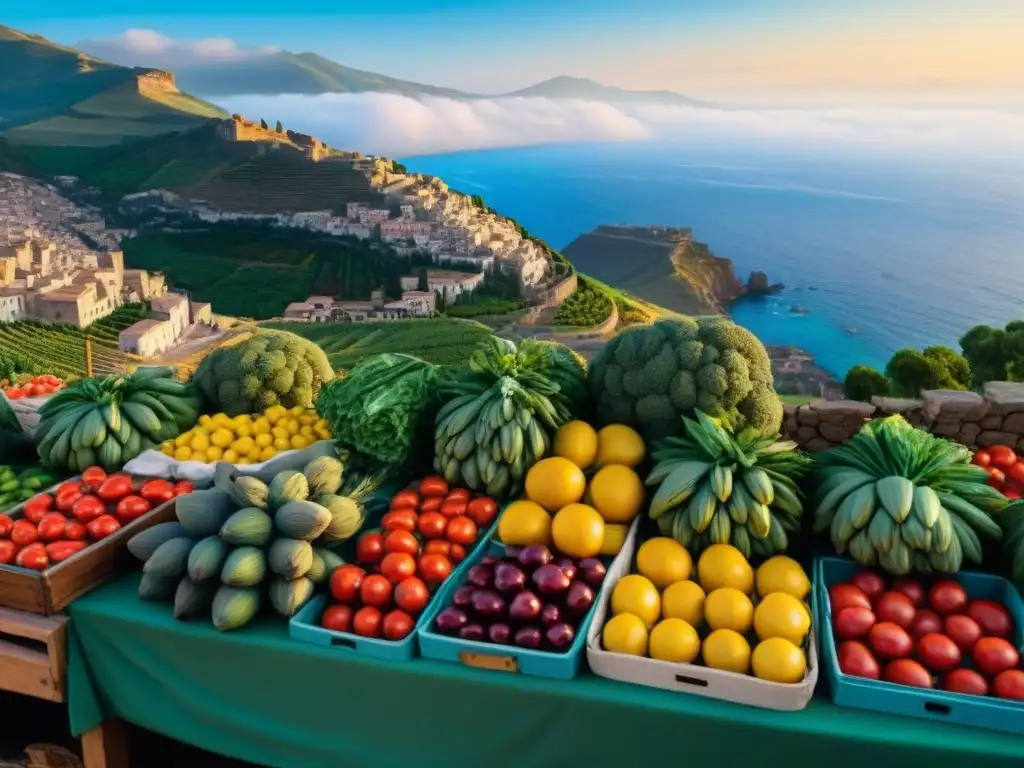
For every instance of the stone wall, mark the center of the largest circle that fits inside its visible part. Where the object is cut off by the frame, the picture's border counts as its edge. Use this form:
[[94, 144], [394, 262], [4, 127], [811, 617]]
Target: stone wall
[[545, 298], [994, 417]]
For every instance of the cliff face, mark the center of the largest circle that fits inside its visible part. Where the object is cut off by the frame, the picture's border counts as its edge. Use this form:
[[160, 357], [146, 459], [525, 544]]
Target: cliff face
[[155, 81]]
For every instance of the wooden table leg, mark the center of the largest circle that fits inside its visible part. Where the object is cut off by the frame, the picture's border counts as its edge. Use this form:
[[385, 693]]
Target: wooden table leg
[[106, 746]]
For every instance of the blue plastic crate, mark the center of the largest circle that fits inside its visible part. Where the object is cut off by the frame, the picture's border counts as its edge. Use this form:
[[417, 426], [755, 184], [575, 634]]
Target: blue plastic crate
[[942, 706]]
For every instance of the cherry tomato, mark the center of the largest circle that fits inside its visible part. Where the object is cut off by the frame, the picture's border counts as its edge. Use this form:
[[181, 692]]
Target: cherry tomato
[[857, 660], [8, 551], [938, 653], [376, 591], [1002, 456], [1012, 493], [890, 641], [926, 621], [337, 618], [367, 622], [1016, 475], [115, 488], [66, 499], [53, 526], [24, 533], [433, 486], [75, 531], [370, 548], [58, 551], [34, 557], [459, 494], [157, 491], [912, 588], [434, 569], [853, 623], [399, 520], [1009, 684], [846, 596], [994, 619], [132, 507], [996, 478], [397, 625], [87, 508], [982, 458], [432, 525], [897, 608], [947, 597], [182, 487], [102, 526], [345, 582], [401, 541], [93, 478], [453, 508], [483, 510], [406, 499], [437, 547], [457, 553], [397, 566], [907, 672], [432, 504], [461, 530], [5, 526], [411, 595], [962, 630], [993, 655], [965, 681]]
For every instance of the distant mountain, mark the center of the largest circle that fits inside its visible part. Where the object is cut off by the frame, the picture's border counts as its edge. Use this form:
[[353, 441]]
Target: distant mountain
[[565, 87], [52, 94]]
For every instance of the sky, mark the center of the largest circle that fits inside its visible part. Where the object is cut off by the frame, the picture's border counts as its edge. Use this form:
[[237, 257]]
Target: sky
[[750, 51]]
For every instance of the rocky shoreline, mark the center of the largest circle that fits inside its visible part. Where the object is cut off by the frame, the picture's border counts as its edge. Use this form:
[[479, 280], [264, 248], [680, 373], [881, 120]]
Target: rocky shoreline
[[796, 373]]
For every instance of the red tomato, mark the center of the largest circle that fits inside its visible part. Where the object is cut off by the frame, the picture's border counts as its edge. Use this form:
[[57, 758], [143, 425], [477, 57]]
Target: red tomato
[[483, 510], [870, 583], [452, 508], [397, 566], [437, 547], [457, 553], [67, 485], [8, 551], [1013, 494], [93, 477], [397, 625], [855, 659], [115, 488], [996, 478], [399, 520], [434, 569], [5, 526], [907, 672], [66, 499], [926, 621], [182, 487], [938, 653], [847, 596], [897, 608], [406, 499], [15, 393], [459, 494], [947, 597], [432, 525], [401, 541], [411, 595], [367, 622], [1009, 684], [53, 526], [102, 526], [962, 630], [58, 551], [337, 618], [433, 486], [34, 557], [88, 508], [1016, 474], [75, 531], [461, 530], [912, 588], [994, 619], [370, 548], [993, 655], [24, 533], [376, 591], [132, 507], [37, 506], [854, 623], [965, 681], [345, 582], [157, 491], [890, 641], [432, 504], [1002, 456]]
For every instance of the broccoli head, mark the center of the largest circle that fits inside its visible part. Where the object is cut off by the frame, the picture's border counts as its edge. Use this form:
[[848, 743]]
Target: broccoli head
[[650, 376]]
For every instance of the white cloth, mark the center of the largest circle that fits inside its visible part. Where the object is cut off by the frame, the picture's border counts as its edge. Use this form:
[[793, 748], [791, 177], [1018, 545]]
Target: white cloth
[[26, 409]]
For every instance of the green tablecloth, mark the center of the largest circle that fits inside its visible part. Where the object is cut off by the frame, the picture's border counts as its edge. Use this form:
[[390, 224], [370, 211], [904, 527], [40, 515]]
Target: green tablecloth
[[256, 695]]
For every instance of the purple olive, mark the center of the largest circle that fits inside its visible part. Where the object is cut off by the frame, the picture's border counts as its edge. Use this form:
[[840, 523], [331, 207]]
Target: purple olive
[[580, 597], [550, 580], [463, 596], [535, 556], [568, 567], [550, 615], [509, 578], [488, 603], [480, 576], [593, 571], [451, 620], [560, 636], [526, 606], [473, 632], [489, 560], [528, 637], [499, 633]]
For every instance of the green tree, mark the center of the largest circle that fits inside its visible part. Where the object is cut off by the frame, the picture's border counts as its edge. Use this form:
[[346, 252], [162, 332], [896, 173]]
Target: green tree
[[263, 124], [983, 348], [955, 369], [279, 128], [422, 284], [911, 371], [863, 382]]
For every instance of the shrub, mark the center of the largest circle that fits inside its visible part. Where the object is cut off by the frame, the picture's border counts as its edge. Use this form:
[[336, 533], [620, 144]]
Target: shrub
[[911, 371], [863, 382], [586, 306]]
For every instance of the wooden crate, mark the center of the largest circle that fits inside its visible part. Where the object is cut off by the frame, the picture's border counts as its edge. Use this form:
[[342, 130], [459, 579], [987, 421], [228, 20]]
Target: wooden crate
[[33, 654], [50, 591]]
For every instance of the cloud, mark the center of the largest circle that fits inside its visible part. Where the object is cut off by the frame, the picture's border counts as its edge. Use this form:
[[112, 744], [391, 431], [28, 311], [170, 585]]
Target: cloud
[[148, 48], [394, 125]]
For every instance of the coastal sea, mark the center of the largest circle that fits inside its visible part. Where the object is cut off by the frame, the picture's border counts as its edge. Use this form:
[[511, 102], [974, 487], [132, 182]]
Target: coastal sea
[[879, 250]]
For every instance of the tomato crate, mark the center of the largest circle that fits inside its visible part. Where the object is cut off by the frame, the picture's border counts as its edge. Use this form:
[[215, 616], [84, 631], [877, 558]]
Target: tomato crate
[[50, 591], [510, 658], [937, 705]]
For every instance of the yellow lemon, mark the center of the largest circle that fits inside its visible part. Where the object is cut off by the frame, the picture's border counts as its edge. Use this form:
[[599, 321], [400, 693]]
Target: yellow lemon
[[307, 431], [261, 426], [199, 443], [243, 430], [243, 445], [578, 531], [167, 449], [274, 413], [292, 426], [182, 453], [254, 454], [263, 440], [184, 438], [781, 615], [728, 608], [635, 594], [778, 660], [727, 650], [554, 483], [298, 410], [205, 421], [322, 434], [230, 456], [618, 493], [243, 418], [280, 433], [614, 538], [244, 461], [664, 561], [213, 453], [282, 443], [322, 424], [625, 633], [674, 640], [782, 574], [683, 600], [220, 420], [722, 565], [524, 522], [577, 442], [221, 437], [299, 442], [619, 444], [307, 419], [267, 453]]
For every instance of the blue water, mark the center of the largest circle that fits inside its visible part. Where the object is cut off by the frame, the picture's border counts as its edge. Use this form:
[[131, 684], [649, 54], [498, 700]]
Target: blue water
[[909, 250]]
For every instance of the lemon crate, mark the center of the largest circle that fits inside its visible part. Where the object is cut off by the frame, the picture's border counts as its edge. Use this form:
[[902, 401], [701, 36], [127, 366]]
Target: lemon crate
[[305, 625], [695, 678], [942, 706], [510, 658]]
